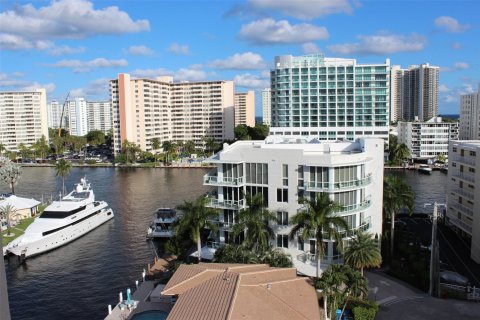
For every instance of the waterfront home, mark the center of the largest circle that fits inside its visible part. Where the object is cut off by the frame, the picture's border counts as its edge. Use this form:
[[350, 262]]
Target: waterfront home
[[287, 170], [24, 207]]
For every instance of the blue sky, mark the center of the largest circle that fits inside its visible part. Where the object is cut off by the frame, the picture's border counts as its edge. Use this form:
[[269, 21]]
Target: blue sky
[[78, 45]]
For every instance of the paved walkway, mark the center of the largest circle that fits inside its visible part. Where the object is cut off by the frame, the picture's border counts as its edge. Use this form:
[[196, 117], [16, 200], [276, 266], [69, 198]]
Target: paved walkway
[[401, 301]]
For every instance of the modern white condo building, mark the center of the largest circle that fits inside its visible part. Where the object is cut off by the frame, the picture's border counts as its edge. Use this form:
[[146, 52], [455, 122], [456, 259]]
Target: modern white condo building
[[245, 108], [77, 117], [428, 139], [286, 170], [99, 115], [143, 109], [23, 118], [470, 116], [267, 106], [463, 192], [329, 98], [55, 113], [414, 92]]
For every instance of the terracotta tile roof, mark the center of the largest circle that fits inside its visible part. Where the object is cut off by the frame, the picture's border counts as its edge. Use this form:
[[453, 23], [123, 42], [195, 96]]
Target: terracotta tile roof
[[241, 292]]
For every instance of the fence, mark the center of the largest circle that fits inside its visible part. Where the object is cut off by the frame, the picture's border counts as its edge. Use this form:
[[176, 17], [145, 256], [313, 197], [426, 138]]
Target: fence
[[470, 293]]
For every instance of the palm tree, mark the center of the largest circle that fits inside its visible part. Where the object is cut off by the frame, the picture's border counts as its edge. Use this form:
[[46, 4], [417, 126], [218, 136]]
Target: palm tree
[[362, 252], [397, 194], [155, 146], [189, 147], [401, 152], [7, 212], [234, 253], [168, 148], [317, 220], [210, 144], [196, 216], [253, 220], [63, 168]]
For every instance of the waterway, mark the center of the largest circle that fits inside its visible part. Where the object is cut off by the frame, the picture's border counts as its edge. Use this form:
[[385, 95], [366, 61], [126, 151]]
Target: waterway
[[79, 280]]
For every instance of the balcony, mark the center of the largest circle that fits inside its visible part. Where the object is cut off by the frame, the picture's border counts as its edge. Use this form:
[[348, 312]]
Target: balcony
[[337, 186], [465, 160], [356, 207], [226, 204], [213, 180], [223, 225], [460, 224], [463, 192], [462, 208], [464, 176]]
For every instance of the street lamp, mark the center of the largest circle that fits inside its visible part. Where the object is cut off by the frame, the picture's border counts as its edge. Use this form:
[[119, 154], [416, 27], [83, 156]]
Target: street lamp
[[434, 247]]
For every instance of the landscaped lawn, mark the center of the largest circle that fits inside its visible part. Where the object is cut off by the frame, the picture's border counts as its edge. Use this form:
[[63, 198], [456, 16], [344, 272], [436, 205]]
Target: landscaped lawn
[[18, 230]]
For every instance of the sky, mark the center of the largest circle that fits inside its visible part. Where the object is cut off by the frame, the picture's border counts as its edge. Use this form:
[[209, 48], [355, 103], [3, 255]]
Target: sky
[[76, 46]]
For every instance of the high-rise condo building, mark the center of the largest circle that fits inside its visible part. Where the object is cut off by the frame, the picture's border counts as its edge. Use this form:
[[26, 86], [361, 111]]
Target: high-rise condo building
[[414, 92], [470, 116], [99, 115], [428, 139], [23, 118], [329, 98], [55, 113], [143, 109], [77, 117], [245, 108], [463, 192], [287, 170], [267, 106]]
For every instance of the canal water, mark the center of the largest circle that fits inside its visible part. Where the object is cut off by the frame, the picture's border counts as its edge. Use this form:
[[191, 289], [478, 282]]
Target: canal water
[[79, 280]]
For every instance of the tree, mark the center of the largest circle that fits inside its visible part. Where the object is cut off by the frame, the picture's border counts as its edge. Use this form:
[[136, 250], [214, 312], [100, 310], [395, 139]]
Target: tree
[[25, 152], [189, 147], [397, 194], [317, 220], [95, 137], [130, 150], [41, 147], [62, 169], [10, 173], [7, 212], [155, 146], [241, 132], [238, 253], [401, 152], [254, 222], [168, 148], [2, 148], [210, 144], [196, 216], [362, 252], [259, 132]]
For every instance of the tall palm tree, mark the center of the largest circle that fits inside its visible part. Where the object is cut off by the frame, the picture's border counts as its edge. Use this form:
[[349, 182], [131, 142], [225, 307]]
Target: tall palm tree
[[62, 169], [210, 144], [401, 152], [254, 222], [168, 147], [196, 216], [155, 146], [7, 212], [362, 251], [189, 147], [318, 219], [397, 194]]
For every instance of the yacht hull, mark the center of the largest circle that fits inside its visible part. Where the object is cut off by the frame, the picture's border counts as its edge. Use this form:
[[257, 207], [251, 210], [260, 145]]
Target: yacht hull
[[61, 237]]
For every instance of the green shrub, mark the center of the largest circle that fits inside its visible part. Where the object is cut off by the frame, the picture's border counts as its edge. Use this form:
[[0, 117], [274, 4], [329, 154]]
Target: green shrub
[[366, 304], [360, 313], [91, 162]]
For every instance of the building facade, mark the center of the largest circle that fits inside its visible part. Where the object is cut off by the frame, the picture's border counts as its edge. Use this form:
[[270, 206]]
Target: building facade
[[267, 106], [329, 98], [244, 106], [414, 92], [427, 139], [284, 171], [463, 192], [77, 117], [143, 109], [470, 116], [23, 118], [99, 116], [55, 113]]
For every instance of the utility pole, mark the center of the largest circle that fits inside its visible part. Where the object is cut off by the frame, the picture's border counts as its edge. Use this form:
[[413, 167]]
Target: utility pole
[[4, 308], [434, 252]]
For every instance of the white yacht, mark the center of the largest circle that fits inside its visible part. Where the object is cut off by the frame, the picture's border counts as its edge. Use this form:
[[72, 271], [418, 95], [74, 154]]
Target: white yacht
[[162, 226], [425, 169], [62, 222]]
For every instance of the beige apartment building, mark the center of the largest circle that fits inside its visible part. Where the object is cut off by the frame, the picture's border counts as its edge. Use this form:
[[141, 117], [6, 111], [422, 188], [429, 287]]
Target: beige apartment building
[[23, 118], [143, 109], [245, 108]]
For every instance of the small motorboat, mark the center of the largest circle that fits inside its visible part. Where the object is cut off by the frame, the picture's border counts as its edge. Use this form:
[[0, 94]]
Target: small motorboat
[[425, 169]]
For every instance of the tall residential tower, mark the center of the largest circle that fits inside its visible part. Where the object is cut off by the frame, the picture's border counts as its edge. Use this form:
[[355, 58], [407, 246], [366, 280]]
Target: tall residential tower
[[267, 106], [470, 116], [245, 108]]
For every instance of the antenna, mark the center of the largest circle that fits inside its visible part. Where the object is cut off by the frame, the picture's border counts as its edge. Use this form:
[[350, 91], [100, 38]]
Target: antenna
[[61, 117]]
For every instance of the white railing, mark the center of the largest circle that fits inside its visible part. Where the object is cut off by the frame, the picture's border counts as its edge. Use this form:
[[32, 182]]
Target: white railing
[[226, 204], [462, 208], [459, 224], [464, 176], [466, 160], [325, 186], [472, 293], [215, 180], [463, 192]]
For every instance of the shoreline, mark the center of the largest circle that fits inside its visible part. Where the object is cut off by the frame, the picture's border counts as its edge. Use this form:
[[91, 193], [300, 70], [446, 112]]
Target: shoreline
[[111, 165]]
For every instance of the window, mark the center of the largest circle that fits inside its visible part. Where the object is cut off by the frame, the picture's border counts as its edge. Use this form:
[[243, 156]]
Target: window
[[282, 240], [282, 217], [285, 174], [282, 195], [301, 244]]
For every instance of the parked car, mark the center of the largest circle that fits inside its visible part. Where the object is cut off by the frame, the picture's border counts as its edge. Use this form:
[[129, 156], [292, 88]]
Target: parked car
[[452, 277]]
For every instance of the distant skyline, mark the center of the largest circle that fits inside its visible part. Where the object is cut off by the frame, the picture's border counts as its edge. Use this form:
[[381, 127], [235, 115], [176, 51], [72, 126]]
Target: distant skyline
[[79, 45]]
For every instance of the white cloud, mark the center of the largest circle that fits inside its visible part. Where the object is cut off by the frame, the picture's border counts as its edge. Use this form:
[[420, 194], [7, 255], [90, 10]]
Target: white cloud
[[461, 65], [443, 88], [269, 31], [26, 27], [310, 47], [240, 61], [86, 66], [251, 81], [457, 46], [98, 88], [192, 73], [151, 73], [178, 49], [305, 9], [452, 95], [15, 81], [381, 44], [64, 50], [450, 25], [140, 51]]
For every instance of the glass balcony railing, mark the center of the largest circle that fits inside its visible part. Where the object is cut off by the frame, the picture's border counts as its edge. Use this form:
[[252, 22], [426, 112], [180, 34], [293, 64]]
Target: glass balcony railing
[[356, 207], [325, 186], [215, 180], [226, 204]]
